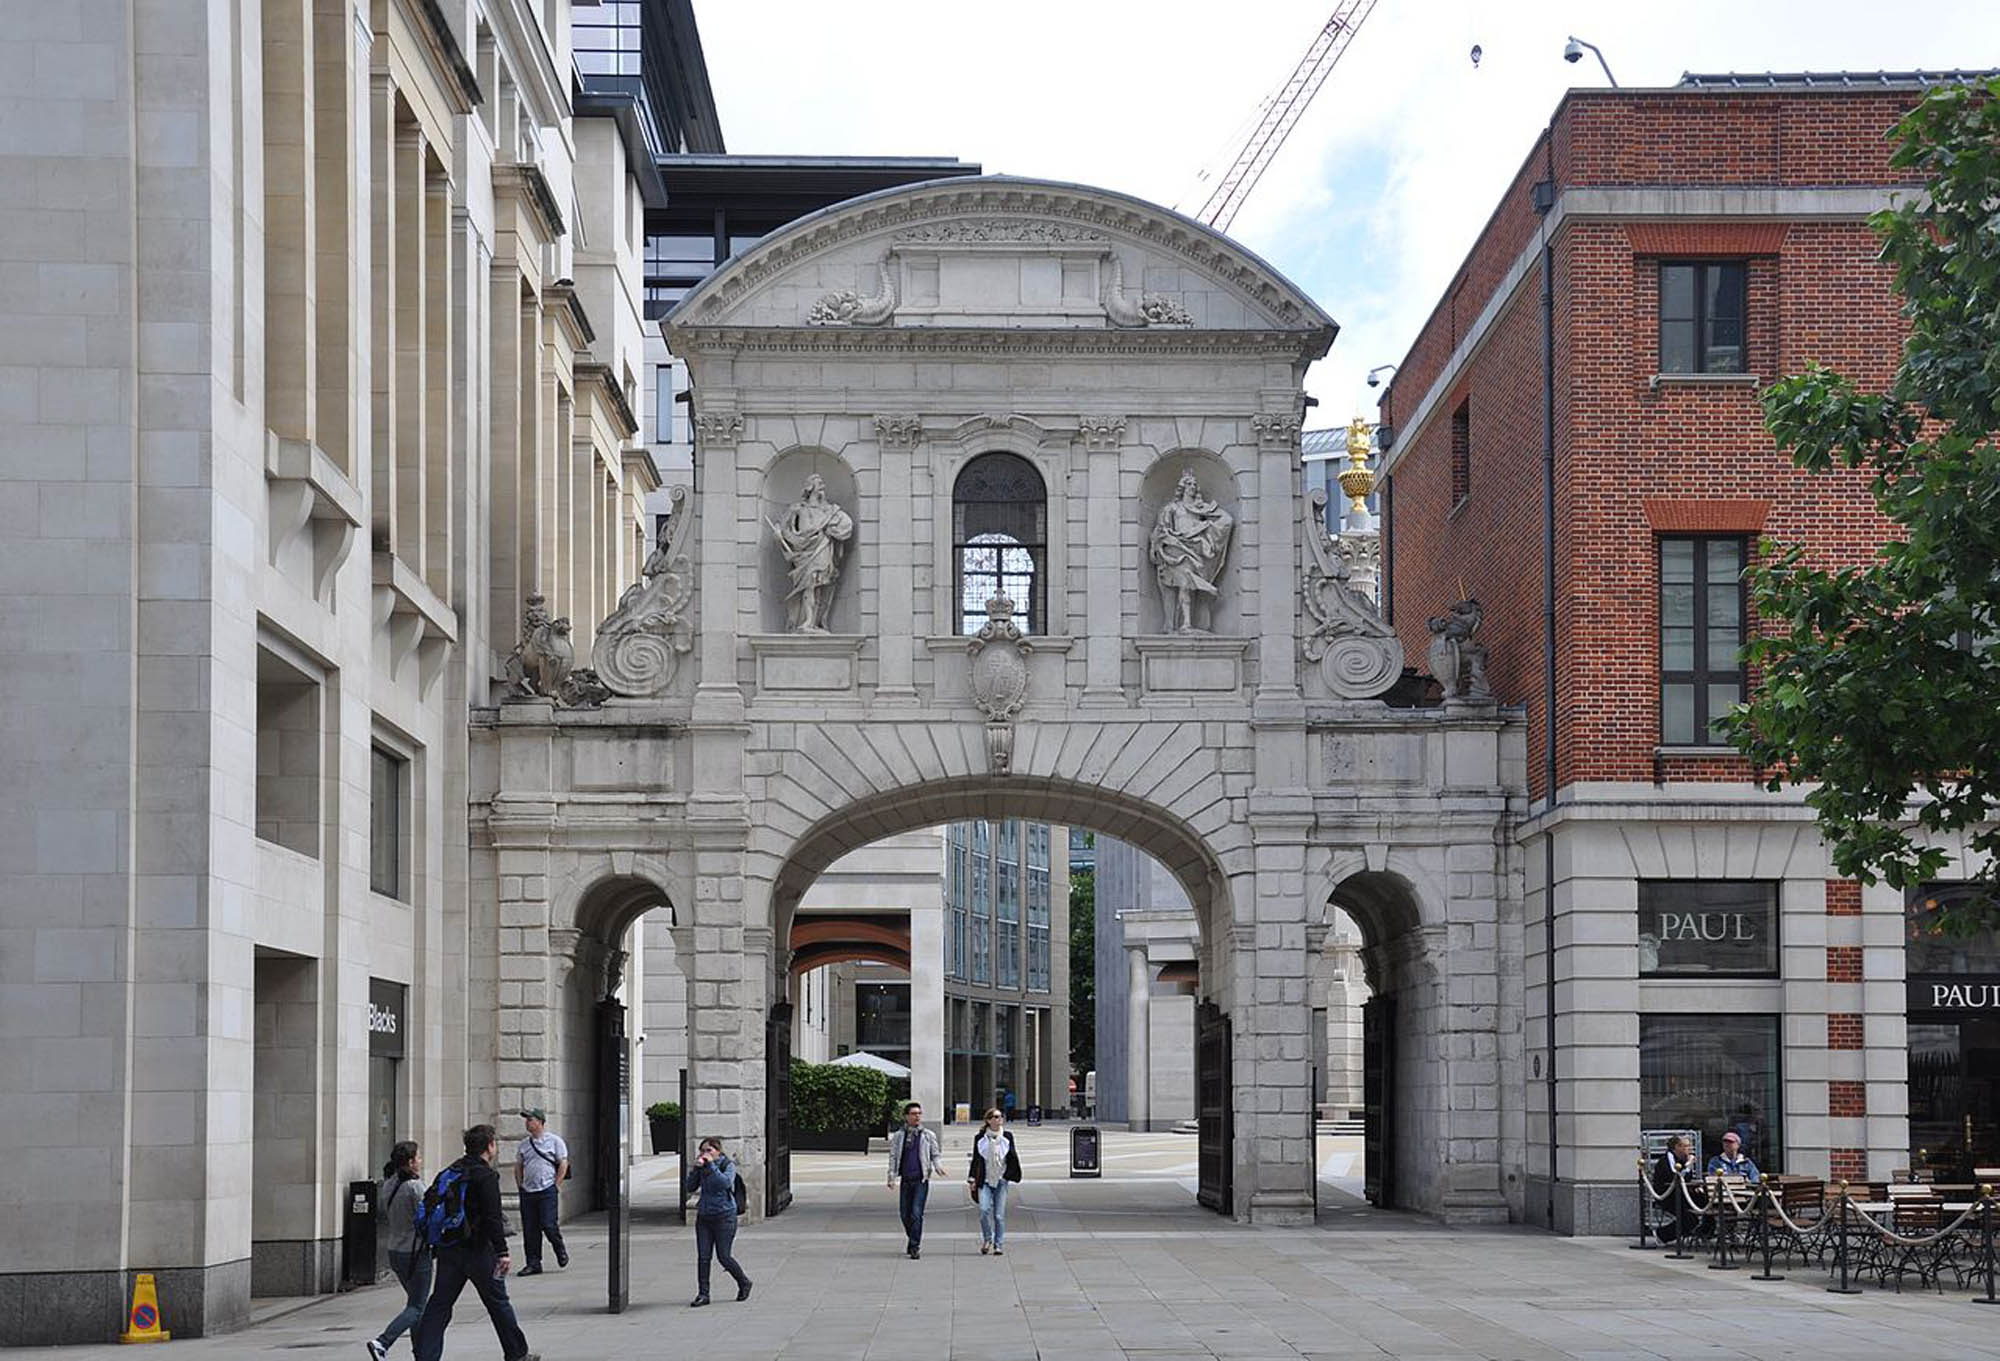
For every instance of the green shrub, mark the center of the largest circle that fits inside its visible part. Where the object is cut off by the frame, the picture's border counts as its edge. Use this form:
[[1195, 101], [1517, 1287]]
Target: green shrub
[[664, 1110], [826, 1098]]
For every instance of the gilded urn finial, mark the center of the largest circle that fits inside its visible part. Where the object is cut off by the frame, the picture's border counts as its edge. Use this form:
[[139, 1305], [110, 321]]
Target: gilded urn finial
[[1357, 481]]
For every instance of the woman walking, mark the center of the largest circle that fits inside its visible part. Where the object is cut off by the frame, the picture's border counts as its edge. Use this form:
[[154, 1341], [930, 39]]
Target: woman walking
[[994, 1164], [714, 1175], [401, 1195]]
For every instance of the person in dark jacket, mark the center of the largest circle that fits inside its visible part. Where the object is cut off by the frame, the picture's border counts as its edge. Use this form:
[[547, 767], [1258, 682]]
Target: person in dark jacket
[[1671, 1171], [714, 1175], [478, 1258], [994, 1164], [400, 1195]]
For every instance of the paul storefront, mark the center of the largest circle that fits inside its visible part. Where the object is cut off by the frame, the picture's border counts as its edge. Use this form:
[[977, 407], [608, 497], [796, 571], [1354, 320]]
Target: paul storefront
[[1953, 1008]]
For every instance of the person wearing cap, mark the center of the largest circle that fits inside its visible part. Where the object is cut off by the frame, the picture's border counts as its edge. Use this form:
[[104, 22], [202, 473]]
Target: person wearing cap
[[1733, 1161], [541, 1162]]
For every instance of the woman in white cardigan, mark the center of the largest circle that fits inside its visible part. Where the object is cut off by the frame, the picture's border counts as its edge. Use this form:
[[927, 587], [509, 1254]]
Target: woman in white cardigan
[[994, 1164]]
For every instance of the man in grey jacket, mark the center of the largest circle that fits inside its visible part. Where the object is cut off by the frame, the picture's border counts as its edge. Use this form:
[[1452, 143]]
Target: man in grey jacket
[[913, 1160]]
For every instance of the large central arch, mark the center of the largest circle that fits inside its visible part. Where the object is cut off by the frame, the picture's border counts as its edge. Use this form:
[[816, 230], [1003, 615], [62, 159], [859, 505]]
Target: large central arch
[[1121, 354]]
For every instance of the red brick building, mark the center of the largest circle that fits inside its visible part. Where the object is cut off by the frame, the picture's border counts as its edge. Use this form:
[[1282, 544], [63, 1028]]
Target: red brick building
[[1697, 243]]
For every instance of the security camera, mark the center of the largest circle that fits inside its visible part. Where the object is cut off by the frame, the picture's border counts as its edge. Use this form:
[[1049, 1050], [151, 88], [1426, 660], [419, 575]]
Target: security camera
[[1572, 51], [1374, 381], [1477, 53]]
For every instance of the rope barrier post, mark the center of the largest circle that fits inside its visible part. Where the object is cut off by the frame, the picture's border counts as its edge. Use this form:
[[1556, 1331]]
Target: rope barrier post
[[1840, 1247], [1718, 1201], [1762, 1206], [1645, 1210], [1986, 1242]]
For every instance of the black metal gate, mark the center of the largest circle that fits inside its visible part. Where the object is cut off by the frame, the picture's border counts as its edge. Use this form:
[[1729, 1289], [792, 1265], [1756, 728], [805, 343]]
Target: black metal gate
[[612, 1166], [1212, 1110], [778, 1109], [1378, 1091]]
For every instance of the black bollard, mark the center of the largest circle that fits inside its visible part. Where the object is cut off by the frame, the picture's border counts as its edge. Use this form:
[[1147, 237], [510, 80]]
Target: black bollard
[[1840, 1247], [1986, 1242], [1718, 1200], [1764, 1207], [1645, 1210]]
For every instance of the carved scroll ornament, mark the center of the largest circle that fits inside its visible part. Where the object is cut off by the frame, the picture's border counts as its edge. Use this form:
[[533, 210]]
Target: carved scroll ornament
[[1359, 656], [1146, 310], [640, 643], [845, 307]]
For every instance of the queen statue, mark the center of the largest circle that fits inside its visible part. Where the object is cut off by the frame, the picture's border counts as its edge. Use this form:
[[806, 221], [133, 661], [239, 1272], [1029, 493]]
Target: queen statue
[[1189, 543]]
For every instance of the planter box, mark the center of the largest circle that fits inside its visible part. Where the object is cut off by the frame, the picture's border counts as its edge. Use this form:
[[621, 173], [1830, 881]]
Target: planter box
[[830, 1141], [666, 1134]]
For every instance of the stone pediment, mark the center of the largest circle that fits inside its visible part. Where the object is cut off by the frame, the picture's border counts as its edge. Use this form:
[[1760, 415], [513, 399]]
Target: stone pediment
[[1000, 253]]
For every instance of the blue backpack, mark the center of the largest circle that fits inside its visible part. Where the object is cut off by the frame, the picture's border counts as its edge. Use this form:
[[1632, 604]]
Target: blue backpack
[[441, 1218]]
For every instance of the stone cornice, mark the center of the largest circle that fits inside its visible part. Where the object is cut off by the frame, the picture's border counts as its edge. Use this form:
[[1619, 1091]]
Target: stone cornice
[[525, 179], [590, 371], [974, 340], [997, 199]]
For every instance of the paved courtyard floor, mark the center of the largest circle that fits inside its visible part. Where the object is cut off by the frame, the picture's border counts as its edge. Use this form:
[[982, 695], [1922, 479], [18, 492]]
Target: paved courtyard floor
[[1129, 1267]]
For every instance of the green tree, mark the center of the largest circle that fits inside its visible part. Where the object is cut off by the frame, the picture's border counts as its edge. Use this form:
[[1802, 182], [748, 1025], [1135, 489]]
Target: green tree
[[1082, 973], [1880, 684]]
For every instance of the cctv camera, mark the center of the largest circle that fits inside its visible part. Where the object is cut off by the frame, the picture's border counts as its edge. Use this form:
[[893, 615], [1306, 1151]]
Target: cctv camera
[[1373, 381], [1477, 53], [1573, 51]]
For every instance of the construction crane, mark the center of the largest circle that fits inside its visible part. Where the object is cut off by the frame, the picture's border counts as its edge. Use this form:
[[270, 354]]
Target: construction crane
[[1281, 113]]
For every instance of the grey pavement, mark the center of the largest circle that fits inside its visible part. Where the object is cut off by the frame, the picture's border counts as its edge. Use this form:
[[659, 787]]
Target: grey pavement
[[1129, 1267]]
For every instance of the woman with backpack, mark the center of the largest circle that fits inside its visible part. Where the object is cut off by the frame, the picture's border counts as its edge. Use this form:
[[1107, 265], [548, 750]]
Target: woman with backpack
[[994, 1164], [401, 1195], [714, 1175]]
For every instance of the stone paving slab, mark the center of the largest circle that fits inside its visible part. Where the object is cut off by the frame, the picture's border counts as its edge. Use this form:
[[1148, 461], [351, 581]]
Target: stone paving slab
[[1127, 1269]]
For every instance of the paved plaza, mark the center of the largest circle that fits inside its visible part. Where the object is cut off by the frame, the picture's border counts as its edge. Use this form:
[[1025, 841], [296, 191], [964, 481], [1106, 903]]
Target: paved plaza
[[1129, 1267]]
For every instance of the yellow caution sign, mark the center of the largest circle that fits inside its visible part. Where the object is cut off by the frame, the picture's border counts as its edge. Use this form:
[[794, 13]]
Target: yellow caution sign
[[143, 1325]]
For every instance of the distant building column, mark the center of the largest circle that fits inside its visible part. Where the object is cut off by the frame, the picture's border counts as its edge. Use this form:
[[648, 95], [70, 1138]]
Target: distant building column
[[927, 1009], [1138, 1056]]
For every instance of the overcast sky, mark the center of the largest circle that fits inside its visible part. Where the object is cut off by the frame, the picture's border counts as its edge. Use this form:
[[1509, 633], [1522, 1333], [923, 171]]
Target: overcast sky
[[1383, 185]]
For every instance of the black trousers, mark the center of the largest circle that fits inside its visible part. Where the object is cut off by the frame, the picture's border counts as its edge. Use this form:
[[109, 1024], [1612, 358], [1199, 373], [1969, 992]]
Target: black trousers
[[458, 1266], [540, 1214], [914, 1191], [714, 1236]]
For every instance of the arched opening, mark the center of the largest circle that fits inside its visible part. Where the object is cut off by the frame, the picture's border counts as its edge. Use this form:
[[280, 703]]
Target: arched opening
[[955, 893], [1000, 540]]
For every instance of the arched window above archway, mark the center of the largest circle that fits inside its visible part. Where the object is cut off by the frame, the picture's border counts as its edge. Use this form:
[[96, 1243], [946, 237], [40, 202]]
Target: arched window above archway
[[1000, 540]]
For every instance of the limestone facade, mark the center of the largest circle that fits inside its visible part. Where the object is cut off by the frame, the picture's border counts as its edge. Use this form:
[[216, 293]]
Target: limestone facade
[[300, 403]]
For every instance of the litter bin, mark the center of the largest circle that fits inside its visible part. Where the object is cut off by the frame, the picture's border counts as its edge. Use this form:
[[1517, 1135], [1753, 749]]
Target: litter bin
[[357, 1235], [1034, 1115], [1084, 1152]]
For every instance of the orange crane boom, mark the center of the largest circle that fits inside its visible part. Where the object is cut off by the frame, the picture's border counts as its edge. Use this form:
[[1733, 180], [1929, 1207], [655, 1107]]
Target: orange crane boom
[[1282, 113]]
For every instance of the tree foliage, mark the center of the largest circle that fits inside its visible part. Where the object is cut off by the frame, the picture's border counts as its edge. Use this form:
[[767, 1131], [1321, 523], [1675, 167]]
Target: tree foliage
[[1881, 682], [1082, 973], [828, 1099]]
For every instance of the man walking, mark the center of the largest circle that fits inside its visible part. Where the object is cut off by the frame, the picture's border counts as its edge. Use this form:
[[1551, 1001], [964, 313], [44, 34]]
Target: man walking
[[913, 1160], [540, 1164], [471, 1246]]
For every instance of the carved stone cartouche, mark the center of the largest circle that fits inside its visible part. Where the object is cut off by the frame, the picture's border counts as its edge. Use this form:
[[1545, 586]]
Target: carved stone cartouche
[[1359, 655], [640, 644]]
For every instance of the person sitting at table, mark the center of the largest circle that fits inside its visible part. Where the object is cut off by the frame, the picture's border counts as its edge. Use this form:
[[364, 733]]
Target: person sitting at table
[[1733, 1161], [1670, 1173]]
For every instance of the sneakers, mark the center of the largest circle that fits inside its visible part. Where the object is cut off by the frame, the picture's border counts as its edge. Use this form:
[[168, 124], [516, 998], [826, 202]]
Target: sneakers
[[698, 1301], [999, 1251], [743, 1291], [376, 1349]]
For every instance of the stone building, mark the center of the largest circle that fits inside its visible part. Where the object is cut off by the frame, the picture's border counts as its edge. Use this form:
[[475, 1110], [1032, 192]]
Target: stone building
[[1660, 256], [323, 347]]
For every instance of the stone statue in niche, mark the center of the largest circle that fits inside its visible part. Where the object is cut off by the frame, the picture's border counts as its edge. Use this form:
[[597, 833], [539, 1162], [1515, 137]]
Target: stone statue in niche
[[813, 534], [1189, 543], [1458, 660]]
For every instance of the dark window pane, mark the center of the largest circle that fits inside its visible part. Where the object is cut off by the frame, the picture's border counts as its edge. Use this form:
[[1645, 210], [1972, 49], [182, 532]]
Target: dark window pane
[[1677, 560], [1677, 715], [1677, 649], [1710, 1074], [1677, 606], [1677, 349], [1721, 698], [1677, 292], [385, 823]]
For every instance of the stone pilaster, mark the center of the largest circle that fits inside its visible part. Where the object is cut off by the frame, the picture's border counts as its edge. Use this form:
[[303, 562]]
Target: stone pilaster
[[1138, 1031], [1103, 562], [895, 556]]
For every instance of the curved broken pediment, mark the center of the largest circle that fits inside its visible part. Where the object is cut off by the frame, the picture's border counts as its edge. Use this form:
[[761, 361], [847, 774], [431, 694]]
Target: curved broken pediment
[[996, 252]]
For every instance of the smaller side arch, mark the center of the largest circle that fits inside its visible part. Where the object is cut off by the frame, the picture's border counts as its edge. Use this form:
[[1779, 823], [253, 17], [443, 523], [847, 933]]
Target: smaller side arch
[[602, 895]]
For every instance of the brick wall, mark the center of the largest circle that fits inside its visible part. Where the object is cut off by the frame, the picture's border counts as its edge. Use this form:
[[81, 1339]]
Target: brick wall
[[1843, 963], [1631, 452], [1844, 1030]]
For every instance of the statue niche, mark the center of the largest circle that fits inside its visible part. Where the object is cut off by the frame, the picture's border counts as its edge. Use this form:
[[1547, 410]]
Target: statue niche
[[811, 536], [1188, 547]]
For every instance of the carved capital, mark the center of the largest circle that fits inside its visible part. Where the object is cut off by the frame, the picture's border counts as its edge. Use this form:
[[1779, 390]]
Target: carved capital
[[898, 432], [1276, 430], [1102, 433], [713, 429]]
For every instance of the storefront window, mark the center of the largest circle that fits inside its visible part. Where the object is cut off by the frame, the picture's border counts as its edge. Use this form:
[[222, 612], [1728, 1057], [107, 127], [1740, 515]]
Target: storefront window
[[1953, 982], [1707, 927], [1714, 1074]]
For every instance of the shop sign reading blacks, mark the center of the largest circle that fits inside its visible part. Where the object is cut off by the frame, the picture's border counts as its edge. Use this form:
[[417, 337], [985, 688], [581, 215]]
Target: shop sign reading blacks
[[1707, 927], [1957, 993], [387, 1005]]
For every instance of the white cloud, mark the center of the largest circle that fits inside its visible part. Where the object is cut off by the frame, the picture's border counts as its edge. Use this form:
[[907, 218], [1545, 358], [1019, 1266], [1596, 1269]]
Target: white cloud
[[1384, 184]]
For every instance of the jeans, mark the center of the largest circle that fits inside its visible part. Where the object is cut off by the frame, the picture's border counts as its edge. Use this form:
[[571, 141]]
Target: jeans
[[714, 1235], [993, 1213], [457, 1266], [539, 1215], [413, 1270], [915, 1191]]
